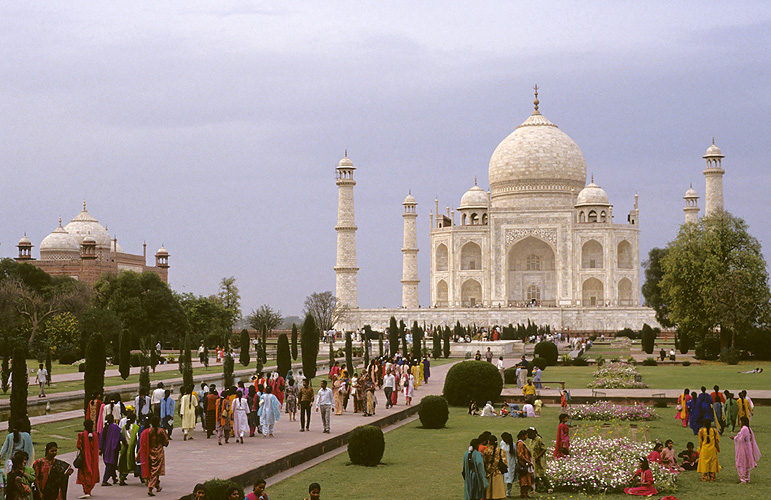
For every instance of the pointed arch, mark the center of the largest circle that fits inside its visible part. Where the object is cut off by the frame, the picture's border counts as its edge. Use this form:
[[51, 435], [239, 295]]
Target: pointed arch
[[471, 293], [625, 292], [624, 255], [442, 295], [471, 257], [592, 293], [591, 255], [441, 258]]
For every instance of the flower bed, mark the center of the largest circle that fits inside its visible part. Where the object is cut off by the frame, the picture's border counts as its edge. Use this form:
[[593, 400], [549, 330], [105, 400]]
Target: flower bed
[[605, 410], [617, 376], [596, 464]]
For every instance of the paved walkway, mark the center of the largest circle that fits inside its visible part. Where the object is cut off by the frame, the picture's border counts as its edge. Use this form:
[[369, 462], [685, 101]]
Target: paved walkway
[[189, 462]]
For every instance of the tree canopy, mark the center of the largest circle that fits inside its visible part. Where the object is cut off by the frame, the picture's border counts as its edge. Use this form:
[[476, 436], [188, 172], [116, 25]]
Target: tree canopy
[[208, 320], [325, 309], [230, 298], [265, 317], [714, 279], [651, 289]]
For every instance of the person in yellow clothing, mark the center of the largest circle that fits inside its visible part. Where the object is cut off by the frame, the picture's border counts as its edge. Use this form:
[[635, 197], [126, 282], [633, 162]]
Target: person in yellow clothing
[[709, 447], [529, 391], [744, 407]]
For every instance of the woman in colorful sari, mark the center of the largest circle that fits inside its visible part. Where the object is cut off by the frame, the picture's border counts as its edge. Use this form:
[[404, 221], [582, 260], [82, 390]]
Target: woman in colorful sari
[[510, 449], [682, 405], [493, 455], [538, 448], [562, 448], [128, 450], [655, 455], [474, 477], [644, 476], [223, 418], [210, 407], [709, 447], [744, 407], [731, 410], [51, 474], [369, 396], [152, 455], [187, 405], [241, 416], [88, 445], [17, 440], [747, 451], [694, 418], [524, 465], [337, 392]]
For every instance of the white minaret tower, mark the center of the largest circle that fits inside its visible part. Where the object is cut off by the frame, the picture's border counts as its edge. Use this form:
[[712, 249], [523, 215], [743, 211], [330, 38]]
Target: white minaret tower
[[410, 255], [713, 197], [691, 207], [345, 288]]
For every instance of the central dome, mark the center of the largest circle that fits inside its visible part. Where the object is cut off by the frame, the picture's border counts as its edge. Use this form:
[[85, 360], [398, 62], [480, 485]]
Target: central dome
[[538, 162]]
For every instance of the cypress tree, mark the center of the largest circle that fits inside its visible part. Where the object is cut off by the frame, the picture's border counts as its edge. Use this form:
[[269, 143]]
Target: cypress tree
[[366, 352], [124, 355], [49, 368], [417, 339], [393, 337], [228, 366], [380, 345], [331, 353], [187, 371], [402, 329], [309, 339], [283, 355], [19, 388], [6, 371], [294, 342], [93, 378], [349, 352], [264, 344], [243, 356], [153, 355], [446, 341], [437, 348]]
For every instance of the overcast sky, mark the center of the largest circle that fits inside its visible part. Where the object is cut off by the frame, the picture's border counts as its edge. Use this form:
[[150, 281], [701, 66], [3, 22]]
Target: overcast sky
[[216, 130]]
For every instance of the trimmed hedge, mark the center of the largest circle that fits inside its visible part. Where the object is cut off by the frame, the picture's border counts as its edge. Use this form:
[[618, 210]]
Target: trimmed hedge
[[216, 489], [366, 445], [548, 351], [477, 380], [434, 412], [540, 362]]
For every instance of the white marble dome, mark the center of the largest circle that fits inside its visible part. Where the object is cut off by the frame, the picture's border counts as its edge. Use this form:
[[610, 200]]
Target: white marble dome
[[85, 225], [345, 162], [24, 241], [691, 193], [536, 157], [713, 151], [409, 200], [474, 198], [592, 194], [162, 251], [59, 241]]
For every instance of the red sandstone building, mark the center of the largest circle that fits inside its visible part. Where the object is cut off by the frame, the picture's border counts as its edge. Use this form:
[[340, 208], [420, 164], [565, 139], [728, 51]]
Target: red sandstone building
[[84, 250]]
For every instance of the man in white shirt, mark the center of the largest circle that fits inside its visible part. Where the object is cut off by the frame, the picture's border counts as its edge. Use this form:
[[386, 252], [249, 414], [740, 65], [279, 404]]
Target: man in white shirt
[[142, 407], [389, 384], [324, 401], [41, 379], [155, 401], [501, 370]]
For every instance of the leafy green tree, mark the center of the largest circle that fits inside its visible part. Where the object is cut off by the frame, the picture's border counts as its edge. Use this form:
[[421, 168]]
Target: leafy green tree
[[104, 322], [349, 352], [230, 299], [265, 318], [62, 329], [228, 367], [393, 336], [246, 341], [715, 279], [651, 289], [5, 343], [208, 320], [283, 356], [294, 342], [309, 340], [96, 363], [20, 387]]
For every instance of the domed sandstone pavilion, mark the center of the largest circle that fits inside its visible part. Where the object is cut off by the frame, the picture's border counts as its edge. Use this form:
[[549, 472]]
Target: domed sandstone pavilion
[[542, 244], [84, 250]]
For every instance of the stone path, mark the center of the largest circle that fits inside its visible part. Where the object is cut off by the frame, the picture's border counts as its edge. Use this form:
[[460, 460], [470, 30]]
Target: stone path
[[189, 462]]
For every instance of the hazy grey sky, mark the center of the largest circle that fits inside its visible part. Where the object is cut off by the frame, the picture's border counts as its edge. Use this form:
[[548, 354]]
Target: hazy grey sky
[[215, 130]]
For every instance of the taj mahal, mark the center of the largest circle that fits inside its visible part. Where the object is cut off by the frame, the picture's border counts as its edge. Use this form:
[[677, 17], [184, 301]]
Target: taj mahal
[[542, 244]]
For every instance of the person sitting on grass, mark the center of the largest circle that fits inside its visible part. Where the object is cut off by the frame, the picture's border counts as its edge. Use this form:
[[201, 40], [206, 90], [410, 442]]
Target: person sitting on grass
[[259, 491], [644, 477], [504, 410], [655, 455], [473, 409], [668, 458], [690, 457], [199, 493], [488, 410]]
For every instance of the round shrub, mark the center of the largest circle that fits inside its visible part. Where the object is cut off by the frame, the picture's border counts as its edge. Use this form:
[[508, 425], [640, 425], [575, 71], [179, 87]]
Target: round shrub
[[434, 412], [477, 380], [68, 354], [217, 489], [650, 362], [686, 363], [580, 361], [366, 445], [730, 356], [510, 374], [540, 362], [548, 351], [708, 348], [136, 359]]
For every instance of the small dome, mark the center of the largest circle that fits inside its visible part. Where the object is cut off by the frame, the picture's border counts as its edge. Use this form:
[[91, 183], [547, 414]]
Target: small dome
[[162, 251], [713, 151], [345, 162], [410, 200], [24, 241], [691, 193], [592, 194], [88, 240], [476, 197], [59, 241]]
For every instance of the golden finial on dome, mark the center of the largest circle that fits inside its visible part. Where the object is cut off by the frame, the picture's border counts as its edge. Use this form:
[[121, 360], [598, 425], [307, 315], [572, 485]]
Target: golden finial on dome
[[475, 180], [592, 177], [84, 205], [60, 221], [535, 102], [346, 153]]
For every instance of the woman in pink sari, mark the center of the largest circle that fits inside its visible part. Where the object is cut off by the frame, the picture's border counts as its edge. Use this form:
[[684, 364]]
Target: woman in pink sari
[[88, 445], [562, 447], [644, 476], [682, 407], [747, 451]]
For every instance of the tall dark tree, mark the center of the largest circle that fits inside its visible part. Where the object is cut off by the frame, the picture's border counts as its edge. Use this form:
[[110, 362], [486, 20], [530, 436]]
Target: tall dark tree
[[49, 368], [417, 339], [5, 343], [380, 345], [437, 347], [246, 341], [403, 336], [96, 363], [153, 354], [348, 352], [446, 342], [19, 387], [187, 365], [393, 337], [264, 344], [309, 339], [294, 342], [366, 351], [228, 367], [283, 356], [124, 355], [651, 289]]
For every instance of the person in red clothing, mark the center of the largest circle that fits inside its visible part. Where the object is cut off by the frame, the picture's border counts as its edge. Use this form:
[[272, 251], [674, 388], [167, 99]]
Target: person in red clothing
[[88, 445], [259, 491], [562, 447], [644, 476]]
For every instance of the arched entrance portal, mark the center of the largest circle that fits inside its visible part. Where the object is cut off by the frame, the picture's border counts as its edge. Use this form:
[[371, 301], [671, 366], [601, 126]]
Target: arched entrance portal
[[531, 273], [471, 293], [592, 293]]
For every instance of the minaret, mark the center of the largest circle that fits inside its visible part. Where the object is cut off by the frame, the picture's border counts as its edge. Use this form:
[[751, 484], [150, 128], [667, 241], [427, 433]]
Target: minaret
[[410, 255], [345, 269], [691, 207], [713, 194]]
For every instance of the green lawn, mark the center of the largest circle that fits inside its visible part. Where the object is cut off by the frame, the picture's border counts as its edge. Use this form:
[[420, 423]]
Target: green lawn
[[707, 373], [428, 462]]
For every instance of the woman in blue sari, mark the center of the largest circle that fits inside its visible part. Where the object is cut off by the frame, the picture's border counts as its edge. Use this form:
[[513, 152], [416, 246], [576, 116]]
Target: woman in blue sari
[[474, 476], [694, 416]]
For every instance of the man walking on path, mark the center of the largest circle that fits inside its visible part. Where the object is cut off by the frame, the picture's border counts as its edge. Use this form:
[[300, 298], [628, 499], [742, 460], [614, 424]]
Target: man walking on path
[[389, 385], [324, 401], [155, 401], [41, 379], [306, 400]]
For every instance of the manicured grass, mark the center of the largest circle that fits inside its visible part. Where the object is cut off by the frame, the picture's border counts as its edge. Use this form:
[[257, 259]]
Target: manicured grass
[[708, 373], [425, 464], [65, 434]]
